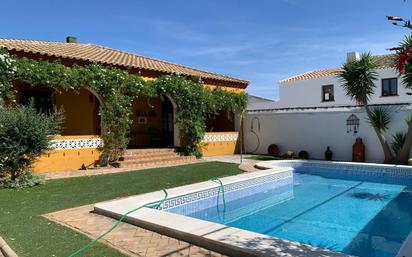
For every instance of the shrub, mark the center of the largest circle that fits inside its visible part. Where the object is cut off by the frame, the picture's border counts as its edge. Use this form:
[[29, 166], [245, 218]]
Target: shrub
[[25, 134], [28, 179]]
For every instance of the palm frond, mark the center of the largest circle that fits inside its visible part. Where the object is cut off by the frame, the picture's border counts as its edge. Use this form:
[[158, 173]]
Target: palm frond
[[402, 61], [408, 120], [358, 78], [398, 141], [380, 118]]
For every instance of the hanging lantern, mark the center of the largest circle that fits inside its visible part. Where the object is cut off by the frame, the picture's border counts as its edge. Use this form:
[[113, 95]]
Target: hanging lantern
[[352, 124]]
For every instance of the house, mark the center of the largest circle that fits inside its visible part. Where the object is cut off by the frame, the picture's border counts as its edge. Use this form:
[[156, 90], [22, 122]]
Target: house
[[153, 124], [313, 112], [257, 102], [322, 88]]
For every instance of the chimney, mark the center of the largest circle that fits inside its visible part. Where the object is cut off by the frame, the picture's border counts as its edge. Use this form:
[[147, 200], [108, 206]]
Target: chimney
[[352, 56], [71, 39]]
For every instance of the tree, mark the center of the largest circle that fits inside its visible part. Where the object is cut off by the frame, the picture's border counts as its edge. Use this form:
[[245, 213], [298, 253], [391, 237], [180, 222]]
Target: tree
[[403, 64], [358, 78], [25, 134]]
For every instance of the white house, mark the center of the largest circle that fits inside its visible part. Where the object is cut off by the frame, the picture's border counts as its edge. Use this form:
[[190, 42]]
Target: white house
[[322, 88], [314, 112]]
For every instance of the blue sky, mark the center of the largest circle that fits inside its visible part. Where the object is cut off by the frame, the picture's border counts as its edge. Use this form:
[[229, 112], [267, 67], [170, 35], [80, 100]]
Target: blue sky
[[260, 41]]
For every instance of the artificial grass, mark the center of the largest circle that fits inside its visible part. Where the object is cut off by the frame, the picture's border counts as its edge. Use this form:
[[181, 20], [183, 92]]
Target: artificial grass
[[262, 157], [31, 235]]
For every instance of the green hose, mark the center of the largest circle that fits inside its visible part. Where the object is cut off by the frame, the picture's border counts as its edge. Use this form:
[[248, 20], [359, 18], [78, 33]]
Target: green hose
[[87, 246], [221, 188]]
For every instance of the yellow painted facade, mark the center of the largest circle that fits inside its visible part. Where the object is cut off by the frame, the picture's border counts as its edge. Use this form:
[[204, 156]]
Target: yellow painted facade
[[67, 159], [80, 112], [83, 122], [220, 147]]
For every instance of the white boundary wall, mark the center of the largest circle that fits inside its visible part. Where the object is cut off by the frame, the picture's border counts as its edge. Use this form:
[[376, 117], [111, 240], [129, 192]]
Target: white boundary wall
[[315, 129]]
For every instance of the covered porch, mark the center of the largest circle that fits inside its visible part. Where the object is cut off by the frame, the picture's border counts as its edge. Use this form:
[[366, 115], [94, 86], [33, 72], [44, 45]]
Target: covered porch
[[153, 127]]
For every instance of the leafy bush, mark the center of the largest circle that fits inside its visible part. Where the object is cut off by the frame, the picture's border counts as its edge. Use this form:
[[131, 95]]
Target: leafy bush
[[25, 134], [28, 179]]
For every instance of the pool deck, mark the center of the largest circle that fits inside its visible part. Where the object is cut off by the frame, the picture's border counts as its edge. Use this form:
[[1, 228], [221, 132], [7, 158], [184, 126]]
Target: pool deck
[[128, 239], [217, 237]]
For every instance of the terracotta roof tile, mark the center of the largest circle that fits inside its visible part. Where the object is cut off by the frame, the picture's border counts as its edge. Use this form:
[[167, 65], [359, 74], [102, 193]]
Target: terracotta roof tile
[[100, 54], [384, 61]]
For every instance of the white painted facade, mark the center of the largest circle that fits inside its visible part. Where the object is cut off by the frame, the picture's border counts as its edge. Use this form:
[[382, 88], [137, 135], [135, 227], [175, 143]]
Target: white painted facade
[[308, 92], [320, 124]]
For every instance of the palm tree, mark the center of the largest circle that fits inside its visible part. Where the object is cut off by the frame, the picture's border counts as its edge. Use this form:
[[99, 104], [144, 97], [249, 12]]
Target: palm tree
[[403, 65], [358, 78]]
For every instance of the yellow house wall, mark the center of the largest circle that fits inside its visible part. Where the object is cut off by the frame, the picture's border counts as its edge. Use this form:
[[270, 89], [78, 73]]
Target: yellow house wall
[[231, 89], [80, 112], [67, 159], [220, 147]]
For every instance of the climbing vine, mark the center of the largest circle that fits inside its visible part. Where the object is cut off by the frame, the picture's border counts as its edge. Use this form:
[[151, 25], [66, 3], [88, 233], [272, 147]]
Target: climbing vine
[[7, 70], [116, 89]]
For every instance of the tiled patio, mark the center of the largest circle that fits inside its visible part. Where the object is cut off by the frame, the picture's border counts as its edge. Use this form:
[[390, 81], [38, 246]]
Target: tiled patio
[[128, 239]]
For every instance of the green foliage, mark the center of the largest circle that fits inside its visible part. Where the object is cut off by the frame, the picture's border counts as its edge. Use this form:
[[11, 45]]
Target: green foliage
[[403, 62], [117, 88], [27, 180], [358, 78], [194, 104], [380, 118], [398, 141], [24, 135], [7, 70]]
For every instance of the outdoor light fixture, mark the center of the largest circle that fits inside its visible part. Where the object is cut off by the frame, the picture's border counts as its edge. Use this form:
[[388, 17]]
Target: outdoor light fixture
[[352, 124]]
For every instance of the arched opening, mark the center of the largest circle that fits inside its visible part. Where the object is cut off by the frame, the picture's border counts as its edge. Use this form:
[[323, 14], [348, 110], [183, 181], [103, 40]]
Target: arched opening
[[81, 108], [153, 123], [223, 121]]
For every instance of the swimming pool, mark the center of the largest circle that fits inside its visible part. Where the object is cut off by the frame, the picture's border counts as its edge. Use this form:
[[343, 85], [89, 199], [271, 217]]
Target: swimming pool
[[361, 210]]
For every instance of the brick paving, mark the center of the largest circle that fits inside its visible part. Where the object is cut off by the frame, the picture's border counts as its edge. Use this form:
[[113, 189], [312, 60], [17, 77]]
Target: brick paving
[[128, 239]]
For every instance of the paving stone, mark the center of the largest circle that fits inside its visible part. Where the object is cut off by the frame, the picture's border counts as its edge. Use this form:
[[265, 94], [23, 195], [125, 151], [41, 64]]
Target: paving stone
[[129, 239]]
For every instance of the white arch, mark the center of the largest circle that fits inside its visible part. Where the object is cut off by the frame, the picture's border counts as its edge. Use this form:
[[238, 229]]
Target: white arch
[[100, 104], [176, 130]]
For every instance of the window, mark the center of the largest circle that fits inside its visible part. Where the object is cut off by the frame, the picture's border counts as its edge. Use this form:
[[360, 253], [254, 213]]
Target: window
[[390, 87], [327, 93]]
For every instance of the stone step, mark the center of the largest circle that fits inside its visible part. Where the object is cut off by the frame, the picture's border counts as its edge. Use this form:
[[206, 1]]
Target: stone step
[[139, 152], [160, 162], [154, 156]]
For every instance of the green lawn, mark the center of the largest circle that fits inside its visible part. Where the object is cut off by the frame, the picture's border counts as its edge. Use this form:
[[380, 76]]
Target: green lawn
[[262, 157], [31, 235]]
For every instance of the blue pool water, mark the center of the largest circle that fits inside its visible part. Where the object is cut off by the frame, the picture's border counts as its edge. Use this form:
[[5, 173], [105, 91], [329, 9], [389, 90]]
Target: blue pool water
[[360, 218]]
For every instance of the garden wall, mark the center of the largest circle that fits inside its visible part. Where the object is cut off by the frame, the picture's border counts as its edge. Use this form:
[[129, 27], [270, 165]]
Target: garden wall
[[315, 129]]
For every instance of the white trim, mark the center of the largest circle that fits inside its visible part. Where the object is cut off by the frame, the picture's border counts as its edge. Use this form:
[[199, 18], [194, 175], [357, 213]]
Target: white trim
[[230, 136], [76, 143]]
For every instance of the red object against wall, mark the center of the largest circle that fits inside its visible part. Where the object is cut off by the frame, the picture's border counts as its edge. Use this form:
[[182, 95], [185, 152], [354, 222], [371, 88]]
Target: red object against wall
[[358, 151]]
